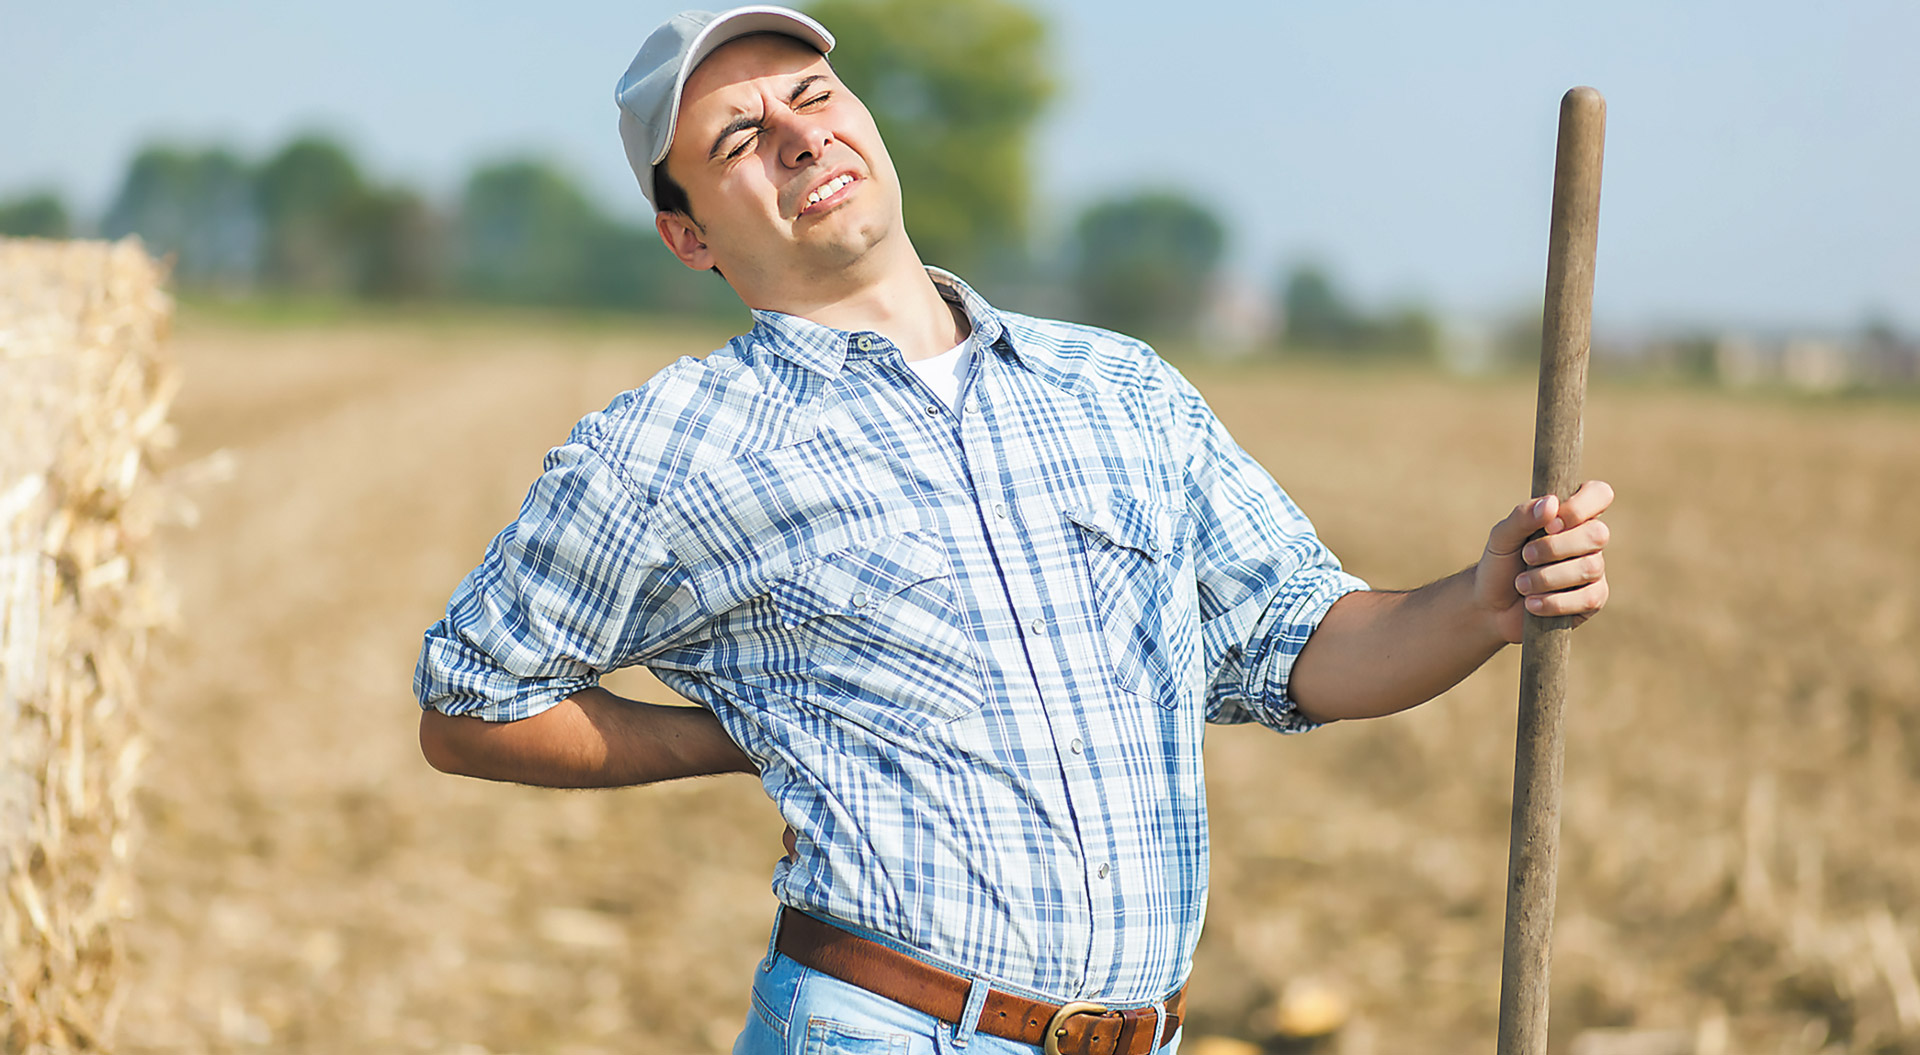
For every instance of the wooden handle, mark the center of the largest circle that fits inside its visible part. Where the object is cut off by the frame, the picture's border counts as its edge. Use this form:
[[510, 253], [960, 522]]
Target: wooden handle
[[1565, 334]]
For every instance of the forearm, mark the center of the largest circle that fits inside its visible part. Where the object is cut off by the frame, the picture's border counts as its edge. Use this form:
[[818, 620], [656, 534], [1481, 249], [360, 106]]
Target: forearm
[[1375, 653], [592, 739]]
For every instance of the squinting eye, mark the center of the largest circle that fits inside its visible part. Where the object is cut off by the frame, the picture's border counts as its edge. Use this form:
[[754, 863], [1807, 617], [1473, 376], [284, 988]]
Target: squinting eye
[[821, 98], [744, 144]]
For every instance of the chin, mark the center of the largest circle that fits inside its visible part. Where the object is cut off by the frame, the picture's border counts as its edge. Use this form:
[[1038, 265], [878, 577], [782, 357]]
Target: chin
[[849, 247]]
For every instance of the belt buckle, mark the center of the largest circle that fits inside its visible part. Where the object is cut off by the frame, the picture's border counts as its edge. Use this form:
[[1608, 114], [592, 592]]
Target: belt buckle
[[1056, 1027]]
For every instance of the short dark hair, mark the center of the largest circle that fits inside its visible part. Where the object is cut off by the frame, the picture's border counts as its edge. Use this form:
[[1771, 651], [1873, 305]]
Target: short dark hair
[[670, 196]]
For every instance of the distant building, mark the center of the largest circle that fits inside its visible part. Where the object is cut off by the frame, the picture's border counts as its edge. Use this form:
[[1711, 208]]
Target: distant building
[[1816, 363], [1238, 318]]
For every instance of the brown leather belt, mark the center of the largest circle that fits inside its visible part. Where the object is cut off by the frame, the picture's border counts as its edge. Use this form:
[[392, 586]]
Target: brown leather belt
[[1078, 1028]]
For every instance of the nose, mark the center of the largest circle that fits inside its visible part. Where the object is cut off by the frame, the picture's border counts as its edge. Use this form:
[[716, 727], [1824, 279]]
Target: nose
[[803, 140]]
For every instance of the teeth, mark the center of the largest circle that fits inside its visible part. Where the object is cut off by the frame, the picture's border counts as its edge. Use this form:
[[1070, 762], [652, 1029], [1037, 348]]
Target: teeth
[[829, 189]]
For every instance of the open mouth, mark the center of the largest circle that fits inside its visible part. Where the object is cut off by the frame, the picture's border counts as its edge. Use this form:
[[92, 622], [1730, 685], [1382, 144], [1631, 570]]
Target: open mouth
[[828, 192]]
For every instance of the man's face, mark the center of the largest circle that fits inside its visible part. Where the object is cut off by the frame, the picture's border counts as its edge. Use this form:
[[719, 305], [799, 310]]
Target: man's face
[[783, 168]]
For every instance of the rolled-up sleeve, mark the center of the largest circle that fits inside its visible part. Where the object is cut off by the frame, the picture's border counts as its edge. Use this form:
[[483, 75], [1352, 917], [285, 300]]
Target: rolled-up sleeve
[[577, 585], [1264, 577]]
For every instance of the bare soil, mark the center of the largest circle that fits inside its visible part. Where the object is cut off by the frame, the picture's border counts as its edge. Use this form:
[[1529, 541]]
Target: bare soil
[[1741, 857]]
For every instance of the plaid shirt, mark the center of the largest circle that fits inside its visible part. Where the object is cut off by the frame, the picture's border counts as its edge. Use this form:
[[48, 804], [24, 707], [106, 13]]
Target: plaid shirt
[[971, 653]]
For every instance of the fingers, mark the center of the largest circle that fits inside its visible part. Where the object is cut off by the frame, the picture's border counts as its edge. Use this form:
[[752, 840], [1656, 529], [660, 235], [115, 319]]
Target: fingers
[[1530, 516], [1588, 501], [1584, 601], [1590, 537], [1549, 514], [1562, 575], [1552, 553]]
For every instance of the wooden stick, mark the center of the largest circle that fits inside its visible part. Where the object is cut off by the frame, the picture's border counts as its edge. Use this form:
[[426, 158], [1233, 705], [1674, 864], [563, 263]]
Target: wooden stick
[[1566, 330]]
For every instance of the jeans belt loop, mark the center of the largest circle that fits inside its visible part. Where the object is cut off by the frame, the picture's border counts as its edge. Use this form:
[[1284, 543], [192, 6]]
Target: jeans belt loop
[[963, 1030], [773, 941]]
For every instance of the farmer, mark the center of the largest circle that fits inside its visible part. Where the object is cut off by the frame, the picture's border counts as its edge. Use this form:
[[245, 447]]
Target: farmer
[[960, 585]]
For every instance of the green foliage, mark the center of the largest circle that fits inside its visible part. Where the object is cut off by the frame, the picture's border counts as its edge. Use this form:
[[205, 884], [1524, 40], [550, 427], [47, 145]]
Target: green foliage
[[1320, 318], [527, 234], [396, 241], [955, 88], [522, 230], [1317, 313], [308, 226], [41, 215], [196, 204], [1145, 263], [310, 195]]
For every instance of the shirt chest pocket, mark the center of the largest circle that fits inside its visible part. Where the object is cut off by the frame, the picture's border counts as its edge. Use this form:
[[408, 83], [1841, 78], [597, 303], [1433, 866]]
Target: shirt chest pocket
[[877, 636], [1139, 571]]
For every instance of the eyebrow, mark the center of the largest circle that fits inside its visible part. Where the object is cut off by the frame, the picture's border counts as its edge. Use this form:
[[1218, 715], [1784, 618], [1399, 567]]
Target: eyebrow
[[742, 123], [800, 89], [738, 124]]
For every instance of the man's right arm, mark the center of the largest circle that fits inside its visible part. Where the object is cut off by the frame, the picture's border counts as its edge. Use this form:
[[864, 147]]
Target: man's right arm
[[577, 585], [591, 739]]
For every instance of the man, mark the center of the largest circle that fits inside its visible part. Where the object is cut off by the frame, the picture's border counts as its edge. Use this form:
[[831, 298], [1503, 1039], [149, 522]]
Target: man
[[961, 586]]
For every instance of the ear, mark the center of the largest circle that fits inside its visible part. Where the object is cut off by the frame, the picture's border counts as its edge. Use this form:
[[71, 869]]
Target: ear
[[683, 240]]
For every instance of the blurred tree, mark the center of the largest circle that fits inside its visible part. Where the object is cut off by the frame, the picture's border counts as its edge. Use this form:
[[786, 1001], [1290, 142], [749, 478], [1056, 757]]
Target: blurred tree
[[1318, 317], [955, 88], [1145, 263], [38, 215], [524, 234], [198, 205], [397, 243], [627, 267], [1410, 330], [1316, 314], [1888, 355], [1516, 339], [311, 198], [624, 267], [527, 234]]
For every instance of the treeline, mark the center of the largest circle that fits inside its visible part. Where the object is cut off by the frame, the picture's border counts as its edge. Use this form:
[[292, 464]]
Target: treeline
[[956, 89], [308, 220]]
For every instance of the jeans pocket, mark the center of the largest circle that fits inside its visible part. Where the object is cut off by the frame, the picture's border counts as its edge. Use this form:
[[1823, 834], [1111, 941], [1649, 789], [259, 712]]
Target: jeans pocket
[[828, 1037], [775, 989]]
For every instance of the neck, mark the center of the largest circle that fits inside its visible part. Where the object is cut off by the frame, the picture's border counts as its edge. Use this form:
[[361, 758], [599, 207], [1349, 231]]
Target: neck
[[899, 302]]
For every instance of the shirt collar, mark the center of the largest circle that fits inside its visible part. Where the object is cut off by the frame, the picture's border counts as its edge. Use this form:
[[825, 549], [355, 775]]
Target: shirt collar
[[825, 350]]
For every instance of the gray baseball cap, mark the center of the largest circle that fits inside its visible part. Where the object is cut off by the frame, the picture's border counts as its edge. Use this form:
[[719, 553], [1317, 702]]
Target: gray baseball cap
[[649, 92]]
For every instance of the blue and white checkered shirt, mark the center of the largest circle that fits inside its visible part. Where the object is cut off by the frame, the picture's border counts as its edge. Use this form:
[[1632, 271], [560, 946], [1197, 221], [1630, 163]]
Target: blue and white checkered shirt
[[971, 652]]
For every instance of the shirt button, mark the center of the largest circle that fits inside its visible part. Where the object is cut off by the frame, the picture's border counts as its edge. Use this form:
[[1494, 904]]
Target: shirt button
[[1076, 746], [860, 599], [1000, 510], [1103, 872], [933, 409], [865, 344], [1038, 626], [973, 405]]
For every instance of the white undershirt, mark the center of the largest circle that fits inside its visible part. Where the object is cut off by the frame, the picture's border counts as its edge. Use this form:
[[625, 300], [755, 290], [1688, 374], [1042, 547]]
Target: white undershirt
[[944, 372]]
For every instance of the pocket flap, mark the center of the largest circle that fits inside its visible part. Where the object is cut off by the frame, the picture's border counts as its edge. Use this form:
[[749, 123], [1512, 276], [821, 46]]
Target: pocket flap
[[1125, 520], [853, 581]]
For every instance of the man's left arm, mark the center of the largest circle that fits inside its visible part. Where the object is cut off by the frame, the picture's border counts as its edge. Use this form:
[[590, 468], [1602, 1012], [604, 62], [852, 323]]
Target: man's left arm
[[1377, 652]]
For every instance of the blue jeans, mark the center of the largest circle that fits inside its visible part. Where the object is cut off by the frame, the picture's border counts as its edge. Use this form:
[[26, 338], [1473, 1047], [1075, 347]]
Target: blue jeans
[[799, 1011]]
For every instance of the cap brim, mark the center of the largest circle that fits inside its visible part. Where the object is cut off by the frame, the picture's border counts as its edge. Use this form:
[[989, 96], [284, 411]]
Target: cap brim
[[731, 25]]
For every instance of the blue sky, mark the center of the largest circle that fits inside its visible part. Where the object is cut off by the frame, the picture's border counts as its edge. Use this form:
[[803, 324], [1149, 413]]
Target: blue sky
[[1761, 156]]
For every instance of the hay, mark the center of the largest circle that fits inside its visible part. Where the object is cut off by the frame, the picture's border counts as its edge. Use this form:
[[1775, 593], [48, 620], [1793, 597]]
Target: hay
[[84, 391]]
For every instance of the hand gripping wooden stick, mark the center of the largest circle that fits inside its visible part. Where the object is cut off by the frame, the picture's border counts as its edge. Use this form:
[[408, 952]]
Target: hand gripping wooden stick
[[1565, 331]]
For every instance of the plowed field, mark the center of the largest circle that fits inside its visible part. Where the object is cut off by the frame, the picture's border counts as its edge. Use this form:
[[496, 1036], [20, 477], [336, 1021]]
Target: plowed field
[[1741, 860]]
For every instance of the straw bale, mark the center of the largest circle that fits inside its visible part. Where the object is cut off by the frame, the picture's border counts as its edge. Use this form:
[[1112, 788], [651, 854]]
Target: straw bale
[[84, 390]]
